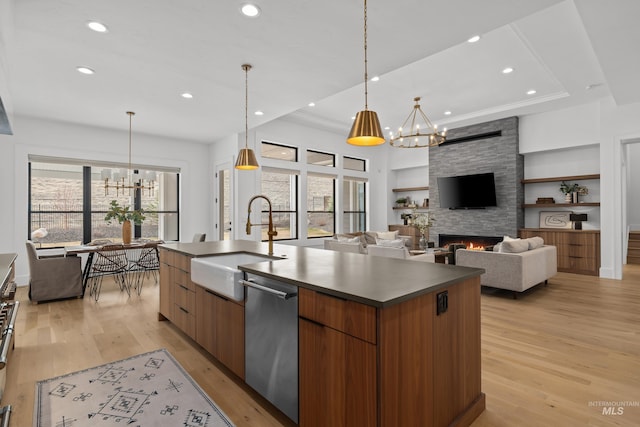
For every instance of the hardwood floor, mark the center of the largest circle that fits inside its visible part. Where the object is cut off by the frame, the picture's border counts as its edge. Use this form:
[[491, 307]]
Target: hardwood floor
[[548, 358]]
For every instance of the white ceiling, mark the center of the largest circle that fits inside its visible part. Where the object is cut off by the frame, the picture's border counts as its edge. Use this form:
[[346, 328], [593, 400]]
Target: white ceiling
[[303, 51]]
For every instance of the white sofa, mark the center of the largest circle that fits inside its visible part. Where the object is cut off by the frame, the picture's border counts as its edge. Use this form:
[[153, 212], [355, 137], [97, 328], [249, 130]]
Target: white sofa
[[364, 243], [515, 271]]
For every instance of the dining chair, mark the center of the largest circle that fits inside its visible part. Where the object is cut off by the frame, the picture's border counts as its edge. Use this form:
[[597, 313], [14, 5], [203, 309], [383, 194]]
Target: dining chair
[[110, 260]]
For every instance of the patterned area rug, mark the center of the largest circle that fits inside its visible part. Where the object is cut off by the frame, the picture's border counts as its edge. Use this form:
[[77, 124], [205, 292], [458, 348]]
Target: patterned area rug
[[149, 389]]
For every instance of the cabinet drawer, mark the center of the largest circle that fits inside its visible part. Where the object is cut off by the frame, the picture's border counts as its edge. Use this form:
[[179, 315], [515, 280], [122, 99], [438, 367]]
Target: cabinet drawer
[[183, 278], [575, 264], [184, 320], [350, 317], [579, 239], [182, 262], [166, 256], [185, 298]]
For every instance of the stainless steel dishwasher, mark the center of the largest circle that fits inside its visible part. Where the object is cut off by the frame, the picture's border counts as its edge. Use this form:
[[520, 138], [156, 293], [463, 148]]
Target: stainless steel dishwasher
[[271, 341]]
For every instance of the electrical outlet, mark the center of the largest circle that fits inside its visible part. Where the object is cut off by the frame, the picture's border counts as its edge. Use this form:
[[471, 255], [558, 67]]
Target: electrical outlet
[[442, 302]]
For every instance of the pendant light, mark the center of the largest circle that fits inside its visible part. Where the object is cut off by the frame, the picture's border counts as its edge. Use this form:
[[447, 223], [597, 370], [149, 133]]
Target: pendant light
[[366, 129], [246, 158]]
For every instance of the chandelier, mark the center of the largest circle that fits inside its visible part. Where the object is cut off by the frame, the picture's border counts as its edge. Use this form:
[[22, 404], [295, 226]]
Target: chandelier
[[366, 130], [417, 135], [128, 179]]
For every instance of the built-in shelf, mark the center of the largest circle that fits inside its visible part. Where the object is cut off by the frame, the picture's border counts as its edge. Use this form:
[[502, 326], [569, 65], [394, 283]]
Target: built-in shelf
[[561, 178], [403, 190], [418, 208], [558, 205]]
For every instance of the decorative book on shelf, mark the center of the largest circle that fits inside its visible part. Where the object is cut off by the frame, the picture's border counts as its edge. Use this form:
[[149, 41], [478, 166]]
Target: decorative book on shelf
[[544, 200]]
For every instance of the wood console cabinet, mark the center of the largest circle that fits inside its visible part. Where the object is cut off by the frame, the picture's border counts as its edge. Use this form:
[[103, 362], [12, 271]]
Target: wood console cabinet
[[401, 365], [578, 250]]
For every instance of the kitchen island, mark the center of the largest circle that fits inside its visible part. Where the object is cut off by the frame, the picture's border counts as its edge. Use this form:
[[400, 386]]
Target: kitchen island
[[382, 342]]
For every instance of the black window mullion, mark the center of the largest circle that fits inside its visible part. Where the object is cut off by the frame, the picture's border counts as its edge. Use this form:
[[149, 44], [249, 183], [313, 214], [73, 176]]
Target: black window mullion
[[86, 204]]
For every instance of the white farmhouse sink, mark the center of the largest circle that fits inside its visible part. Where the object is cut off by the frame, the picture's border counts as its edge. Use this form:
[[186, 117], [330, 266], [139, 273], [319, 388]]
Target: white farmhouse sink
[[220, 273]]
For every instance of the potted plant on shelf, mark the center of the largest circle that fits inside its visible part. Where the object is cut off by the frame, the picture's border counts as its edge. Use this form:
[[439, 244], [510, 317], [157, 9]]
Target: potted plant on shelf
[[125, 216], [401, 202], [571, 191], [423, 221]]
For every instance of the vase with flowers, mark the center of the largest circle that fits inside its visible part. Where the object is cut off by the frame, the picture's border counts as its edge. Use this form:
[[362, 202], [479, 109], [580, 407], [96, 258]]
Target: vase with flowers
[[125, 216], [423, 221]]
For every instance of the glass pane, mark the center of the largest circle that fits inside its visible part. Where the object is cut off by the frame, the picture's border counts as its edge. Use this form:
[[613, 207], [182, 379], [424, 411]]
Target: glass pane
[[56, 204], [224, 183], [320, 215], [270, 150], [165, 229], [281, 189], [354, 205], [321, 159], [353, 222], [285, 224], [354, 164]]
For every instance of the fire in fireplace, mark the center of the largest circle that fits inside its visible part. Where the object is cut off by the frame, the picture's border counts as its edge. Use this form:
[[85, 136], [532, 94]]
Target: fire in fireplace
[[470, 242]]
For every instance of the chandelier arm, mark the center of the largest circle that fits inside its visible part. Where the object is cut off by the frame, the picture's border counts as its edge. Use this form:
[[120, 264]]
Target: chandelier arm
[[426, 120]]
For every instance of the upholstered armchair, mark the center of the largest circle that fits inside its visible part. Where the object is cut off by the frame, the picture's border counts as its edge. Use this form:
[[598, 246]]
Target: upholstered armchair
[[53, 278]]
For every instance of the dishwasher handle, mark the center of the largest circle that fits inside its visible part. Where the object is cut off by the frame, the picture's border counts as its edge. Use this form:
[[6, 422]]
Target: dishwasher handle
[[280, 294]]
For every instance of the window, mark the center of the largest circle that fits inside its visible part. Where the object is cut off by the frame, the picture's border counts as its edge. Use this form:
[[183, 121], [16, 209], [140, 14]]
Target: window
[[68, 201], [354, 164], [354, 205], [320, 205], [320, 159], [281, 187], [55, 204], [270, 150]]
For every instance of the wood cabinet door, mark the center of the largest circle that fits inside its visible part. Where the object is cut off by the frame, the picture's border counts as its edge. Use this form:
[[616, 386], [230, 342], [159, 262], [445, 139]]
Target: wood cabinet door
[[205, 319], [338, 381], [166, 291], [229, 326]]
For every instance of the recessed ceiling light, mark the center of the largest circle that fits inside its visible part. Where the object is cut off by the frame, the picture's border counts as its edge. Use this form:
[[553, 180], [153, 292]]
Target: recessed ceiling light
[[259, 113], [474, 39], [507, 70], [531, 92], [85, 70], [187, 95], [97, 26], [387, 128], [250, 10], [312, 104], [353, 117], [447, 113], [375, 78]]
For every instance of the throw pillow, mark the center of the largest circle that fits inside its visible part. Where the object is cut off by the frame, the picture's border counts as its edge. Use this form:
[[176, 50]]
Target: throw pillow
[[343, 239], [370, 237], [396, 243], [514, 246], [388, 235], [535, 242], [509, 239]]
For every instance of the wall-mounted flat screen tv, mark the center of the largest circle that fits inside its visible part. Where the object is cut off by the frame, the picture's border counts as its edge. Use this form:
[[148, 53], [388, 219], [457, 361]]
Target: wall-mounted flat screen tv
[[467, 191]]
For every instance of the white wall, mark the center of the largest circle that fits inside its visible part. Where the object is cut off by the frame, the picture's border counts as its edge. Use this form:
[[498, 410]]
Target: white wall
[[57, 139]]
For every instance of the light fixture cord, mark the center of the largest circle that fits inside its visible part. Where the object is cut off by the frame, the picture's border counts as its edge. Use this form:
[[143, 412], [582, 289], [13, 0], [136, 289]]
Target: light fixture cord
[[366, 74], [246, 105], [129, 172]]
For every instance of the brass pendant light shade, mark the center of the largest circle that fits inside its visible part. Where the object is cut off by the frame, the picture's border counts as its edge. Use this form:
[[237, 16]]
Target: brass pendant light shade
[[246, 158], [366, 130]]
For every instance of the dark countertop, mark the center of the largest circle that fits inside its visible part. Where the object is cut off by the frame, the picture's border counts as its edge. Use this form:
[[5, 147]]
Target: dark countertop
[[374, 281], [6, 261]]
